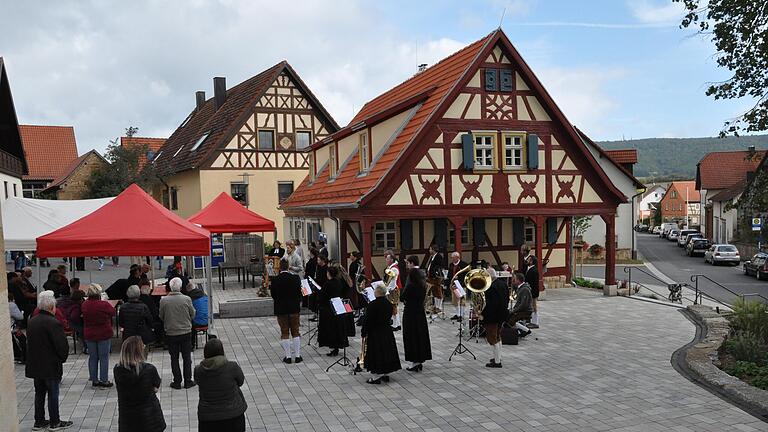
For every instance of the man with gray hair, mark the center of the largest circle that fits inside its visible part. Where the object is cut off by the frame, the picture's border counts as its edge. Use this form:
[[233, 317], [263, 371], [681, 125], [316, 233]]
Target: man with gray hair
[[47, 350], [454, 267], [177, 312]]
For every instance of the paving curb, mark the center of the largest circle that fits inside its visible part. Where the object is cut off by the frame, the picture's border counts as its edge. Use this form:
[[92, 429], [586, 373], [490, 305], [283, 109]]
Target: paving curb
[[695, 362]]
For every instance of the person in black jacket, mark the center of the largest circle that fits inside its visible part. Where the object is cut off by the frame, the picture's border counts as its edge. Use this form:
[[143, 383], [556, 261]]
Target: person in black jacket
[[331, 330], [494, 314], [135, 317], [153, 304], [47, 350], [277, 250], [310, 271], [415, 329], [381, 357], [222, 406], [454, 267], [137, 383], [285, 289], [532, 277]]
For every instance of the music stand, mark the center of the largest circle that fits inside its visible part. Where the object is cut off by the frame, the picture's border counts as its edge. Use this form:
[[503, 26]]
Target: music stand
[[311, 332], [460, 347], [343, 360]]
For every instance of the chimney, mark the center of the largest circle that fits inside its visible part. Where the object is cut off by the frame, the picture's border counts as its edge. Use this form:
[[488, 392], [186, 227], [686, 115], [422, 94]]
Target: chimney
[[219, 91], [200, 99]]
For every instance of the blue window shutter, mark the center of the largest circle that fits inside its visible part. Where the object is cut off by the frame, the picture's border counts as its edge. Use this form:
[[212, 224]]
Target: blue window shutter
[[406, 234], [440, 226], [533, 151], [518, 231], [468, 147], [491, 79], [551, 230], [478, 231], [506, 80]]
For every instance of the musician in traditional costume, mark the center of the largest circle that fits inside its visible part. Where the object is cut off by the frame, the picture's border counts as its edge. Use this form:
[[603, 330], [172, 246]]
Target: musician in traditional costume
[[435, 278], [394, 285], [415, 329], [455, 266], [356, 274], [347, 291], [381, 357], [532, 278], [331, 330], [285, 289], [523, 307], [310, 271], [494, 314]]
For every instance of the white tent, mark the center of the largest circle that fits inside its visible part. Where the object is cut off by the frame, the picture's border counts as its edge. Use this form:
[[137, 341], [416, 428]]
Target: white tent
[[26, 219]]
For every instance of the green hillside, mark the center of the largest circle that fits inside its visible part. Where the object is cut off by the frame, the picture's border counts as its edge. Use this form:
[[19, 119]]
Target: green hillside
[[679, 156]]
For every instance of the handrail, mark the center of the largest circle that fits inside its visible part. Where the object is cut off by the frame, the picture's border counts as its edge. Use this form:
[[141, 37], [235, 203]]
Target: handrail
[[698, 295], [628, 269], [695, 278]]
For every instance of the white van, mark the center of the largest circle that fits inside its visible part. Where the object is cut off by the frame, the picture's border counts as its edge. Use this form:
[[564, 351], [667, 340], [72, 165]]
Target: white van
[[666, 227]]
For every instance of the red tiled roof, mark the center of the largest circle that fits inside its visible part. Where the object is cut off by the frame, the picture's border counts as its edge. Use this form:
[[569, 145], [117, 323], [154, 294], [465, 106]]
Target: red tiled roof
[[348, 188], [681, 186], [71, 168], [153, 145], [719, 170], [732, 192], [48, 150], [218, 123], [623, 156]]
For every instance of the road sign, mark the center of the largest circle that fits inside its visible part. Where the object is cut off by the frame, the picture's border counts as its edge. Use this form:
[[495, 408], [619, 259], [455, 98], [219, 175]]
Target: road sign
[[757, 224]]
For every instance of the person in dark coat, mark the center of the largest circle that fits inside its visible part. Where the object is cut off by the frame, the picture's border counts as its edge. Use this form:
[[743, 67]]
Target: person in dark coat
[[381, 356], [137, 385], [221, 407], [454, 267], [321, 277], [54, 283], [532, 278], [70, 306], [47, 350], [331, 331], [310, 270], [415, 329], [347, 292], [277, 250], [285, 289], [494, 314], [135, 317], [153, 304]]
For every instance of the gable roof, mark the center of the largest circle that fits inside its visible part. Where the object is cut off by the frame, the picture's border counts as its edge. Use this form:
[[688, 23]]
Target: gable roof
[[731, 192], [681, 186], [48, 149], [221, 124], [623, 156], [10, 137], [425, 94], [71, 168], [153, 145], [607, 155], [653, 188], [719, 170]]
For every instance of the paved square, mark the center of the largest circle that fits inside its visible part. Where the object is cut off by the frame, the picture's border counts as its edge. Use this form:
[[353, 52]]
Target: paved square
[[599, 364]]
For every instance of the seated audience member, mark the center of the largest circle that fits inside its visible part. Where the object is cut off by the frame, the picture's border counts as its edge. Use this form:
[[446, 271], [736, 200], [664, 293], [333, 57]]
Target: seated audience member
[[200, 303], [118, 290], [24, 299], [70, 307], [18, 338], [135, 317]]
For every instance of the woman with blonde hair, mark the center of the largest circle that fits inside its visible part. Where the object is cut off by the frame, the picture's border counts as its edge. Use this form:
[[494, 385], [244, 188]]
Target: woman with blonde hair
[[137, 382], [97, 330]]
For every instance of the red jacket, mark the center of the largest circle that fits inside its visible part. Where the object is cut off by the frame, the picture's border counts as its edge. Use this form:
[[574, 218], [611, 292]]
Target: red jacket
[[97, 320], [60, 317]]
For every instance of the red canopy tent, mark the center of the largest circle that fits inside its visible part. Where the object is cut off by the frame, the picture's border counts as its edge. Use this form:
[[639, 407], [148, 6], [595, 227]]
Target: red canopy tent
[[132, 224], [225, 215]]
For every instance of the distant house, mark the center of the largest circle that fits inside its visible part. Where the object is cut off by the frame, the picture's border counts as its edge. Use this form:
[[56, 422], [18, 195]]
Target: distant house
[[13, 164], [681, 204], [72, 184], [153, 146], [652, 195], [49, 151], [720, 177], [626, 158]]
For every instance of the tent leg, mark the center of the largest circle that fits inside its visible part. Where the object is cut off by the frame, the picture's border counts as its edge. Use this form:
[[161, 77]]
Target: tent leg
[[210, 291], [38, 275]]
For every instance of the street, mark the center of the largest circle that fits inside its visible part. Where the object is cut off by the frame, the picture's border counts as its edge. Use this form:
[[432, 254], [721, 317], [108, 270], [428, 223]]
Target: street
[[670, 260]]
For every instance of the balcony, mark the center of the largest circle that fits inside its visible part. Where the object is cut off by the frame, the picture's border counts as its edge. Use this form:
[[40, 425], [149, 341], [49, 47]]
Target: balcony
[[11, 164]]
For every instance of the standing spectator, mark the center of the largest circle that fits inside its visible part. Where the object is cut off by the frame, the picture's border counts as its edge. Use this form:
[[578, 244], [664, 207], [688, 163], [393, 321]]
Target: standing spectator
[[54, 283], [222, 405], [277, 249], [152, 304], [299, 250], [532, 278], [159, 259], [100, 260], [58, 313], [135, 317], [70, 306], [177, 312], [47, 350], [137, 385], [115, 261], [295, 264], [21, 261], [286, 293], [97, 327]]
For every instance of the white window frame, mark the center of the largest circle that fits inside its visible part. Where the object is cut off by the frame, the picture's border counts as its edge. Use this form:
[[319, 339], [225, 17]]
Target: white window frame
[[465, 235], [529, 232], [364, 152], [384, 235], [486, 143], [512, 150]]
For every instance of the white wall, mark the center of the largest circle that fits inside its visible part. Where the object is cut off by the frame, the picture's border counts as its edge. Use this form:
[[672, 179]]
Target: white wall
[[723, 222], [6, 184]]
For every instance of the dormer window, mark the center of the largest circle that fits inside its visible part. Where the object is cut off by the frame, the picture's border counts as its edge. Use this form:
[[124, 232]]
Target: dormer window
[[311, 162], [333, 165], [365, 153]]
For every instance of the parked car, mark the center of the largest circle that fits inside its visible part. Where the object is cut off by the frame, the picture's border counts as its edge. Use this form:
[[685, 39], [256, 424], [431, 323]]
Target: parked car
[[722, 253], [673, 234], [641, 228], [757, 266], [697, 247], [666, 227], [657, 229], [682, 238], [683, 241]]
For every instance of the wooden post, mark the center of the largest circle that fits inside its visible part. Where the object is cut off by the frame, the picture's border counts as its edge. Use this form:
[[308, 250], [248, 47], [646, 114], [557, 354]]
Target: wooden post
[[457, 222], [610, 248], [540, 221], [343, 244], [568, 249], [366, 227]]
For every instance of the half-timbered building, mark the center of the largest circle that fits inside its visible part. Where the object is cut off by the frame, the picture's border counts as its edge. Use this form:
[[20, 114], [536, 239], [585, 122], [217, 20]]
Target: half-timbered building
[[471, 154], [249, 141]]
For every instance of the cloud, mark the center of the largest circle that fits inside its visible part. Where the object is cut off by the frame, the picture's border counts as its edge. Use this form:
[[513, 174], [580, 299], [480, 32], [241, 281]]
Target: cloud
[[649, 12]]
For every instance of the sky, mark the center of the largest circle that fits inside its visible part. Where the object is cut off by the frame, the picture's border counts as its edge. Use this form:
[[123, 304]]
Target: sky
[[618, 69]]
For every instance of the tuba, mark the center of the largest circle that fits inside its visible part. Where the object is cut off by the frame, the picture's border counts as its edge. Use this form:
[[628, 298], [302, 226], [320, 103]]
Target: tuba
[[390, 280], [478, 281]]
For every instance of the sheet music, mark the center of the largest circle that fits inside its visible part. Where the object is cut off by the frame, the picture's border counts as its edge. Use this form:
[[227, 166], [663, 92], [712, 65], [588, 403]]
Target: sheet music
[[375, 284], [368, 292], [458, 289], [315, 284], [338, 306], [305, 288]]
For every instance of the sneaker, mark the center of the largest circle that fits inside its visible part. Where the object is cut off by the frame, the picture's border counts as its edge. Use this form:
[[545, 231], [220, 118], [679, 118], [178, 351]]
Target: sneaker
[[95, 384], [493, 364], [43, 425], [298, 360], [287, 360], [61, 425], [176, 385], [189, 384]]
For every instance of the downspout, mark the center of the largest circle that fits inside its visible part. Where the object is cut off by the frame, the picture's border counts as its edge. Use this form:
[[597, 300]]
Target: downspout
[[634, 251], [167, 189], [338, 232]]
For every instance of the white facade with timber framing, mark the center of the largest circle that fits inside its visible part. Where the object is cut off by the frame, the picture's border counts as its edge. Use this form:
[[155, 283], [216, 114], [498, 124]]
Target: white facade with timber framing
[[249, 141], [471, 154]]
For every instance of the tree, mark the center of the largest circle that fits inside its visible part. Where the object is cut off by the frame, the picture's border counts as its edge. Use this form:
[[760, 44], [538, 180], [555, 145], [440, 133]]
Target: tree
[[739, 30], [581, 224], [123, 169]]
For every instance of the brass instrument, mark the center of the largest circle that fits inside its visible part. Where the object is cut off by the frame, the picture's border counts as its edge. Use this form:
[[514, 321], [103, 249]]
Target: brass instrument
[[360, 279], [478, 281], [390, 280], [361, 358]]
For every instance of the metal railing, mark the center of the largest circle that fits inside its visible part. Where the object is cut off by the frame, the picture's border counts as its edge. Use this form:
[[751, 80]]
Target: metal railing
[[699, 294], [675, 289]]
